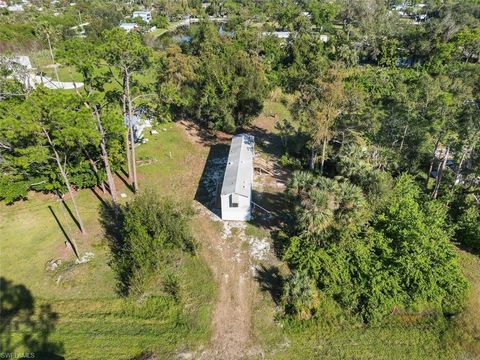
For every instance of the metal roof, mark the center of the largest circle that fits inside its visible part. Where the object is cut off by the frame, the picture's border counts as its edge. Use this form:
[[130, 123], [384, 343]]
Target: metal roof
[[239, 171]]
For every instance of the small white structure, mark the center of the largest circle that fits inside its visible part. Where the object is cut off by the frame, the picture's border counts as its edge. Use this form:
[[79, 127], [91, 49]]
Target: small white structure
[[22, 60], [144, 15], [139, 124], [278, 34], [15, 8], [236, 194], [128, 26]]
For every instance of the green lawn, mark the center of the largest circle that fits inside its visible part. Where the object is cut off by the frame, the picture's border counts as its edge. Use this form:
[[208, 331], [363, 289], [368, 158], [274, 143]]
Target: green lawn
[[93, 322]]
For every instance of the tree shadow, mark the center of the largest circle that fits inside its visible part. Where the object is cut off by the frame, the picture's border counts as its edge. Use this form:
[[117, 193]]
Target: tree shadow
[[97, 195], [112, 220], [67, 238], [269, 142], [23, 329], [270, 280], [474, 250], [203, 135], [124, 180], [65, 205], [210, 182], [273, 209]]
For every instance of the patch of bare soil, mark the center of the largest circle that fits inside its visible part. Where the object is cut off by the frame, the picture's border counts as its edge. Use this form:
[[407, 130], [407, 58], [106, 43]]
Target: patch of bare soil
[[231, 338], [201, 136]]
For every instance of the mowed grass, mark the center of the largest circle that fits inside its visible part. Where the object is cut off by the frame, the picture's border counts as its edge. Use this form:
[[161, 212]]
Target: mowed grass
[[95, 323]]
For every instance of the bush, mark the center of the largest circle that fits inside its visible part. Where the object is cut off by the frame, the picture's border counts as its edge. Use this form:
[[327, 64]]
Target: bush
[[467, 231], [398, 259], [300, 296], [152, 230]]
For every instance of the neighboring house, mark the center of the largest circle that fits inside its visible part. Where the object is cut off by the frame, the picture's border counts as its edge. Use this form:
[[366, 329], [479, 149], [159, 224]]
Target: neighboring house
[[129, 26], [139, 123], [23, 61], [15, 8], [79, 30], [236, 194], [21, 69], [278, 34], [144, 15]]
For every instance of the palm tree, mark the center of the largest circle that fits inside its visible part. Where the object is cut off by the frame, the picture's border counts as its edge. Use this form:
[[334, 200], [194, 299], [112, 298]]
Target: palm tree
[[300, 296], [299, 182]]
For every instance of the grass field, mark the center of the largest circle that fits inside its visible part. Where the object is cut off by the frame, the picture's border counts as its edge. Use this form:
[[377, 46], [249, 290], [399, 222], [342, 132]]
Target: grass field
[[93, 322]]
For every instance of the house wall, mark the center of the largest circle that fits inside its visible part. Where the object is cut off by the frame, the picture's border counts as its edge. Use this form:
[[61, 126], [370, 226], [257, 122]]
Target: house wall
[[240, 213]]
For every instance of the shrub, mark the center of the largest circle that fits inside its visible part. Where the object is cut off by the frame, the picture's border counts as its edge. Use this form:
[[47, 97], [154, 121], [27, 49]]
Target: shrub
[[152, 230], [300, 296]]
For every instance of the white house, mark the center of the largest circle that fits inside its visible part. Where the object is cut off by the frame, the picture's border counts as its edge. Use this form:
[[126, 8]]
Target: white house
[[236, 194], [128, 26], [144, 15], [15, 8], [139, 123], [278, 34]]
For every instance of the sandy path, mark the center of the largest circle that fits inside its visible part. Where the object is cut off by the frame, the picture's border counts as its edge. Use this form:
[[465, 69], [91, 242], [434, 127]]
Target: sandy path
[[232, 314]]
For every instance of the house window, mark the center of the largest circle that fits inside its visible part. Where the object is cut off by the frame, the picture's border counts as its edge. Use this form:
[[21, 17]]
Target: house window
[[234, 201]]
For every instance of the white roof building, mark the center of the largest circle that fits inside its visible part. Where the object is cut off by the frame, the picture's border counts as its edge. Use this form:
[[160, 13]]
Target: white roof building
[[22, 60], [15, 8], [278, 34], [236, 194], [144, 15], [128, 26]]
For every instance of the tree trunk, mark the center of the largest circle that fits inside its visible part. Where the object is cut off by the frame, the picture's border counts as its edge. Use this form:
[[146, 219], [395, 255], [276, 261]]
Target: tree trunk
[[105, 158], [130, 129], [127, 137], [460, 164], [67, 182], [403, 137], [313, 158], [432, 161], [322, 162], [440, 174], [53, 58], [95, 169]]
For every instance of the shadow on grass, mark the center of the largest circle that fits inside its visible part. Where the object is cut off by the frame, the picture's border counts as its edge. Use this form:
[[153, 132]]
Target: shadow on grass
[[67, 238], [23, 329], [271, 281], [474, 250], [65, 205], [124, 180], [112, 220], [97, 195], [211, 180], [269, 142]]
